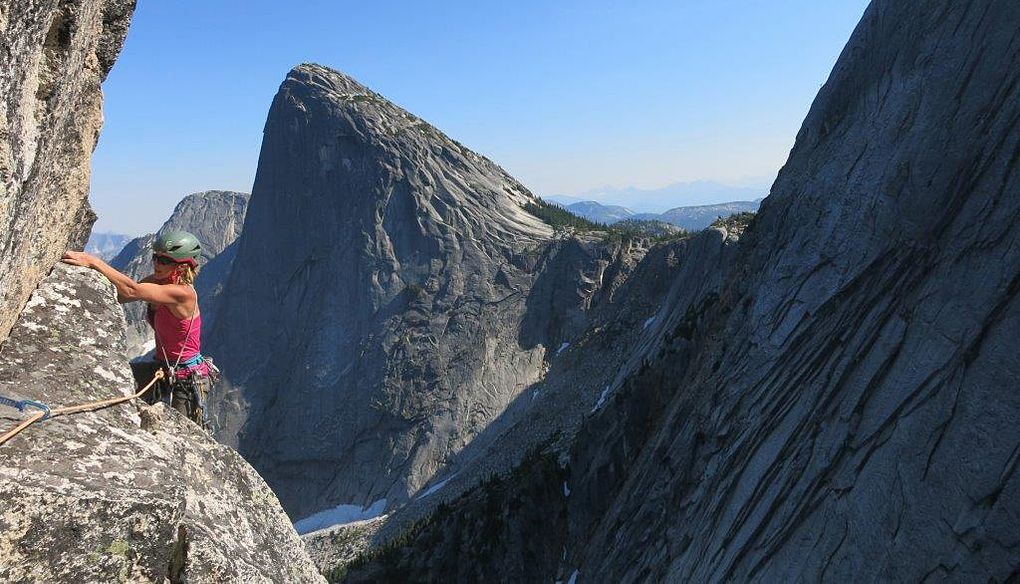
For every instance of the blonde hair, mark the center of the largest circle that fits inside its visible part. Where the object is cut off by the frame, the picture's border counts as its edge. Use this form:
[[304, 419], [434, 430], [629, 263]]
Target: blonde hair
[[186, 274]]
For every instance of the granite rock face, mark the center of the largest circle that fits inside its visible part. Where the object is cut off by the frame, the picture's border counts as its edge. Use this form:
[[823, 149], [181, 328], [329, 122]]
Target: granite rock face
[[376, 296], [841, 404], [862, 422], [128, 493], [215, 218], [649, 295], [53, 56]]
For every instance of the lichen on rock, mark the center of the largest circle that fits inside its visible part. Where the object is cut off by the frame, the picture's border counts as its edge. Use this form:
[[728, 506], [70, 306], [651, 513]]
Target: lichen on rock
[[130, 492]]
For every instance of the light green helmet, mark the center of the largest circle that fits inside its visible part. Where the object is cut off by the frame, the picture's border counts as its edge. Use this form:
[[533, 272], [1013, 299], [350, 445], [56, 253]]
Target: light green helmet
[[180, 246]]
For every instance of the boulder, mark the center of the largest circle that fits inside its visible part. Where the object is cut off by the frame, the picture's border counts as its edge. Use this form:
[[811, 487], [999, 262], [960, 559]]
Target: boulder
[[127, 493]]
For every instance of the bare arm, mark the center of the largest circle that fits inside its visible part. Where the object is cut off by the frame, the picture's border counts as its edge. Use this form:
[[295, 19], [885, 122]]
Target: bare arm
[[146, 280], [127, 289]]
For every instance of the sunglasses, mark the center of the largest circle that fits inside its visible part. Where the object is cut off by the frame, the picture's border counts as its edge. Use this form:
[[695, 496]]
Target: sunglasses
[[163, 261]]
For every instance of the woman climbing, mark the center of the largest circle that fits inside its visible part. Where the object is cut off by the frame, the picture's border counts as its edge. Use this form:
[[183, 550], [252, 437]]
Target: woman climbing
[[175, 319]]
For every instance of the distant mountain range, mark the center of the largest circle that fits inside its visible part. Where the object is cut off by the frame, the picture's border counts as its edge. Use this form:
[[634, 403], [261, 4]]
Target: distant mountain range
[[690, 218], [107, 245], [596, 211], [694, 193]]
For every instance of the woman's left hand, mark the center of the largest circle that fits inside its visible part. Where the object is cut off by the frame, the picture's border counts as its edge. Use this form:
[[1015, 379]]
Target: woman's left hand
[[78, 258]]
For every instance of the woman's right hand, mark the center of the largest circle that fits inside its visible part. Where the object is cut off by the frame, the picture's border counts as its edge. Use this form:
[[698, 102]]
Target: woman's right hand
[[78, 258]]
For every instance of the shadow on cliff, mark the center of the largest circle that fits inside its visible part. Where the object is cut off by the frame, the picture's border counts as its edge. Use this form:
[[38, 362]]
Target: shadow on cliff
[[514, 478], [586, 352]]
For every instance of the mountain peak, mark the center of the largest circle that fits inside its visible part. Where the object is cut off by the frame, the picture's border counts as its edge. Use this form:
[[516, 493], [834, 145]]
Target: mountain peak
[[327, 78], [364, 217], [359, 132]]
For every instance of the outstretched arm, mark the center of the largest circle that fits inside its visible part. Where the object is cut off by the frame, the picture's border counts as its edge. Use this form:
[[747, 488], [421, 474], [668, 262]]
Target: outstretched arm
[[146, 280], [127, 289]]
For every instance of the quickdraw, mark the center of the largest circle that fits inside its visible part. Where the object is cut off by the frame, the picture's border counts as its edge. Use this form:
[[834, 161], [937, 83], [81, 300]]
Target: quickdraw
[[22, 405]]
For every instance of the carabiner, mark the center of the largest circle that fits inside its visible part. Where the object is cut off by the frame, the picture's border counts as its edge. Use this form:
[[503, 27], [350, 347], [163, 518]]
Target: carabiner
[[30, 403]]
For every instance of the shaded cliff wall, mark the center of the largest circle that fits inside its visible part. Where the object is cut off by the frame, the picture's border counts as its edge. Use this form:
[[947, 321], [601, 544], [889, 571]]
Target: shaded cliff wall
[[845, 406], [852, 413]]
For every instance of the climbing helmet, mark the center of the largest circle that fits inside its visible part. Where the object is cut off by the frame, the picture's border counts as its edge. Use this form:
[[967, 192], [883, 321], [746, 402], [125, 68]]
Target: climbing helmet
[[179, 246]]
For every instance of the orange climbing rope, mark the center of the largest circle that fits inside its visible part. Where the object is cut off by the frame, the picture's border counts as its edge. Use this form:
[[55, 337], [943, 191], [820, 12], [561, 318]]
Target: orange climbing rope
[[79, 408]]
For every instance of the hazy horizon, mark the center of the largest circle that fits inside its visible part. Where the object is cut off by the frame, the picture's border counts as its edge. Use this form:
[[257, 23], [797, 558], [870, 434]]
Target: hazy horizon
[[603, 195]]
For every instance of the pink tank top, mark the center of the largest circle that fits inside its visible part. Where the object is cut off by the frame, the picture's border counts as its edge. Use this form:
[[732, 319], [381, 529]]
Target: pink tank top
[[176, 337]]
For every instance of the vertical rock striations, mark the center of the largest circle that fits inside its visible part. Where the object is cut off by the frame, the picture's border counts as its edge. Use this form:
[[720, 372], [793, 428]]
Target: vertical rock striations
[[375, 298], [53, 56], [851, 412], [843, 405]]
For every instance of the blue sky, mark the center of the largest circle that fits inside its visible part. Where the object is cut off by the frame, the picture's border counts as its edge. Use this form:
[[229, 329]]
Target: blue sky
[[567, 96]]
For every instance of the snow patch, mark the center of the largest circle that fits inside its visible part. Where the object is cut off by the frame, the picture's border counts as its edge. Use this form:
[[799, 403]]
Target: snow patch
[[562, 348], [339, 515], [431, 490], [602, 399]]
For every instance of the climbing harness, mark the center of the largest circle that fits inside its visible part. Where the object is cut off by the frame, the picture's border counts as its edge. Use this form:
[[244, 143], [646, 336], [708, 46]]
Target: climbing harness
[[46, 412], [187, 395], [186, 383]]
